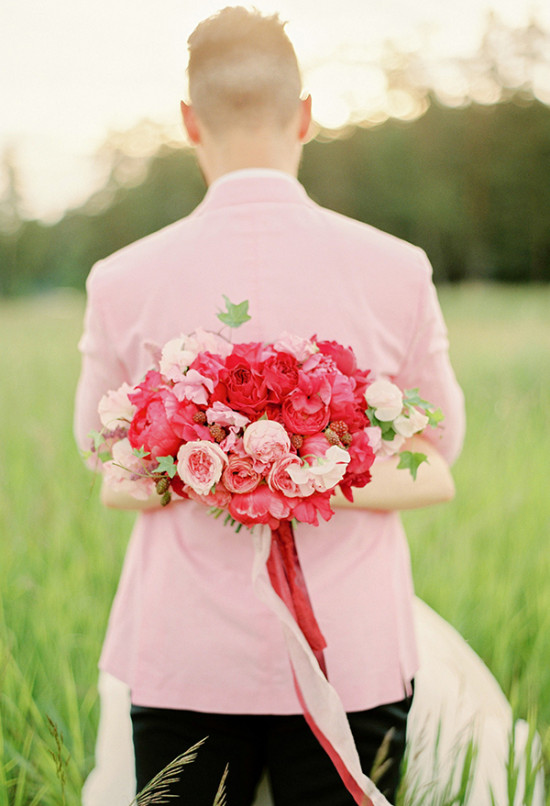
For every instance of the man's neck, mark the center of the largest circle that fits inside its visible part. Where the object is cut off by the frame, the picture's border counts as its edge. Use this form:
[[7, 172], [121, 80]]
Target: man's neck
[[241, 152]]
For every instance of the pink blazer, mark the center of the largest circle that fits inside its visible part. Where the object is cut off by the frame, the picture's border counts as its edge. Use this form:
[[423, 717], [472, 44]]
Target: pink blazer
[[186, 629]]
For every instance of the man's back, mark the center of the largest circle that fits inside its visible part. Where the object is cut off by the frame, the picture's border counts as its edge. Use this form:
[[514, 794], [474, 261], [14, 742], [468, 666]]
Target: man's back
[[304, 269]]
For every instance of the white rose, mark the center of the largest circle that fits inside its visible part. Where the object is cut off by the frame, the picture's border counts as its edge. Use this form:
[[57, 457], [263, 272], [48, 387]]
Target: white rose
[[410, 424], [386, 399]]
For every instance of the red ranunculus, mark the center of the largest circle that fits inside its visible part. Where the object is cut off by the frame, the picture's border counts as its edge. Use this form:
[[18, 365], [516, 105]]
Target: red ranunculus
[[280, 372], [240, 387]]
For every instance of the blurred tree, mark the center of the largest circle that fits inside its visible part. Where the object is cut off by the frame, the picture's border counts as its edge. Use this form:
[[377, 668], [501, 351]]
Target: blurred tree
[[468, 181]]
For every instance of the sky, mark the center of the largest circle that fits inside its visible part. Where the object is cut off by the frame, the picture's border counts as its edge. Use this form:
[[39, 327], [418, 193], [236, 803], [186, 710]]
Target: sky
[[73, 70]]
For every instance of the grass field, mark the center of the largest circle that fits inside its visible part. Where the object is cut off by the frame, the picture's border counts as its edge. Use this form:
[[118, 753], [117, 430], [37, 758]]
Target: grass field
[[482, 561]]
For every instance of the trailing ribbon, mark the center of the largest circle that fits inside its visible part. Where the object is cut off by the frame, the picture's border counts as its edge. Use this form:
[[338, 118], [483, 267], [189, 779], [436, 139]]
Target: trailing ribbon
[[276, 559], [287, 579]]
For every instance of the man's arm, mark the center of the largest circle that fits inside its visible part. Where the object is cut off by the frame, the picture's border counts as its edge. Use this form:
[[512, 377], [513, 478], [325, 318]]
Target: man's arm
[[390, 488]]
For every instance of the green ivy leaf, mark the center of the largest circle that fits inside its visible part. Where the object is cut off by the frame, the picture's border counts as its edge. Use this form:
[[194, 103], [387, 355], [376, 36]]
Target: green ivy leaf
[[411, 397], [234, 315], [435, 417], [166, 465], [97, 438], [411, 461], [141, 453]]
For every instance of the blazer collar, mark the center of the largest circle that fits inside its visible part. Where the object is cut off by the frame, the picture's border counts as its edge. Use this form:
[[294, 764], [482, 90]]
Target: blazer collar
[[253, 186]]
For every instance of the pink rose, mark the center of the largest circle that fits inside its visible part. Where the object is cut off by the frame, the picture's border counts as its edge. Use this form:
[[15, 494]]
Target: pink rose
[[239, 475], [279, 479], [262, 505], [266, 441], [305, 411], [200, 465], [386, 399]]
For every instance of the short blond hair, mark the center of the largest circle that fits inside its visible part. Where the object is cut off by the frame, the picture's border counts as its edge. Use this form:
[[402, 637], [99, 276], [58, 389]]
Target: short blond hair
[[242, 70]]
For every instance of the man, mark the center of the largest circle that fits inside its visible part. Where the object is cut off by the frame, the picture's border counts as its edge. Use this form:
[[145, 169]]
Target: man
[[200, 652]]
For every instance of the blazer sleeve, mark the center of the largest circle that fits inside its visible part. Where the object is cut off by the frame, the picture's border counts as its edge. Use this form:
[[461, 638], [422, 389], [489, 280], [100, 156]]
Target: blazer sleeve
[[427, 366], [101, 369]]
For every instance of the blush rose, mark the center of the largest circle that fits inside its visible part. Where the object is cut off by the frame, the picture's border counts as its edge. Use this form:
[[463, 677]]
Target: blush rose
[[200, 465]]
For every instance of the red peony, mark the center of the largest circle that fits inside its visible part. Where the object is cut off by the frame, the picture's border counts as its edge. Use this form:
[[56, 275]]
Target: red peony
[[262, 505], [150, 428], [358, 469]]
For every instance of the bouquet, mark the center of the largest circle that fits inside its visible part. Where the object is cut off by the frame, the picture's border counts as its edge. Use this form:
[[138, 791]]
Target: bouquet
[[262, 433]]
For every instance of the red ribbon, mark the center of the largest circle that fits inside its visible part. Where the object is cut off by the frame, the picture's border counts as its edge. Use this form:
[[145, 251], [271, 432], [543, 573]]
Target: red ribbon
[[288, 582], [287, 579]]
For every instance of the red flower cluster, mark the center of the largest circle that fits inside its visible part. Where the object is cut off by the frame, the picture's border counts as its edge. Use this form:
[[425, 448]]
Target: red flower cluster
[[266, 432]]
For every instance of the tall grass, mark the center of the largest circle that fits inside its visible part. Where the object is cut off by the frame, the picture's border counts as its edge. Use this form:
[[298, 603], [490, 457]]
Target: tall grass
[[482, 561]]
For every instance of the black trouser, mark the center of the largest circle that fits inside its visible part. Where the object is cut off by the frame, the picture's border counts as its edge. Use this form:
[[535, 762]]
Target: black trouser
[[300, 771]]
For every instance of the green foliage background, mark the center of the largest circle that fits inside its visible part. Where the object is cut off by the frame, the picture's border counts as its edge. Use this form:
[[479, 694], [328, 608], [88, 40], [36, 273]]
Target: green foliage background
[[469, 185], [481, 561]]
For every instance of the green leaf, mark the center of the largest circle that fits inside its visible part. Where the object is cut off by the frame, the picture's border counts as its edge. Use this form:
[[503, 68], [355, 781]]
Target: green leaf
[[97, 438], [411, 461], [412, 398], [141, 453], [166, 465], [435, 417], [234, 315]]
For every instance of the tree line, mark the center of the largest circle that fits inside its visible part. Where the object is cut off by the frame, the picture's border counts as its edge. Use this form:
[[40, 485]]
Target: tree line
[[470, 184]]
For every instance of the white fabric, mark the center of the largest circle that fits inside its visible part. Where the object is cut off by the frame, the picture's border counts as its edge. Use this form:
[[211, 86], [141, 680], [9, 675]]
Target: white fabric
[[321, 700], [455, 694]]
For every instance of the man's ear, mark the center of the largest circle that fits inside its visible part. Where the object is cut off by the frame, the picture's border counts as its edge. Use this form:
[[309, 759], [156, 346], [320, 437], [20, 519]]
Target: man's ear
[[306, 131], [190, 122]]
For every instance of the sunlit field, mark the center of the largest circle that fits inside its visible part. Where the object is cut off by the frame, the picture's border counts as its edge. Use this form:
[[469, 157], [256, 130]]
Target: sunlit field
[[482, 561]]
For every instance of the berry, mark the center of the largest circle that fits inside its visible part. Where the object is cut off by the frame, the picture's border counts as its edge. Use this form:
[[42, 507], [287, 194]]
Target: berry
[[217, 432], [339, 427], [347, 439], [332, 436], [162, 485], [297, 441], [166, 498], [199, 417]]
